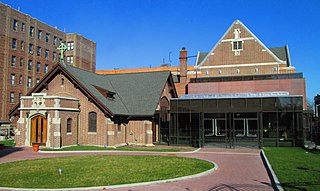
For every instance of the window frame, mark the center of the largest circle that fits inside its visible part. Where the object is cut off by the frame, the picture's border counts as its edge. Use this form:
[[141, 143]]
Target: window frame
[[11, 97], [69, 125], [15, 24], [12, 79], [92, 122], [38, 67], [14, 43], [13, 61]]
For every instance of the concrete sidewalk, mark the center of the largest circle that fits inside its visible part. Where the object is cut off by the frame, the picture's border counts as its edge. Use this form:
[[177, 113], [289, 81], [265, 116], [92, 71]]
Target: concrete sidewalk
[[239, 169]]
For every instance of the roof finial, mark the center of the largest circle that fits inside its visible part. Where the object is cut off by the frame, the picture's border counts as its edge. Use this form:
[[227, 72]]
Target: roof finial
[[62, 48]]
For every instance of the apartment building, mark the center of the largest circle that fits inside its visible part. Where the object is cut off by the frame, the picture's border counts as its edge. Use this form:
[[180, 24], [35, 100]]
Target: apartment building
[[28, 50]]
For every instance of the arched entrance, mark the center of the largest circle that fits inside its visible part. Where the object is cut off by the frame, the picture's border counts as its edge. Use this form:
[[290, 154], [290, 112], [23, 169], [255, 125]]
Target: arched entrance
[[39, 129]]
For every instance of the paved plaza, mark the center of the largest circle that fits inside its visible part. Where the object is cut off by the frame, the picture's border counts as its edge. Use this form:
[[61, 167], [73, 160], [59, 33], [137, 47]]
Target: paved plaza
[[238, 169]]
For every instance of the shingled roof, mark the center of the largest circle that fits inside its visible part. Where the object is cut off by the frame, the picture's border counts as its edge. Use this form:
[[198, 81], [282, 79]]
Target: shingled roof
[[134, 94]]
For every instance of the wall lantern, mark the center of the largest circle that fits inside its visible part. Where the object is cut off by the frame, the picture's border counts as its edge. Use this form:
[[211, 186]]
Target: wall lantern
[[27, 115]]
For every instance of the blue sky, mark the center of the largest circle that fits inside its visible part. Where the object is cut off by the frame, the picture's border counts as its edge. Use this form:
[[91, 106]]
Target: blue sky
[[141, 33]]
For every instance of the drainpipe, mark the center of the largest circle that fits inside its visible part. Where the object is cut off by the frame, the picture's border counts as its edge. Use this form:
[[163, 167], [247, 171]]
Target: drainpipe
[[78, 124]]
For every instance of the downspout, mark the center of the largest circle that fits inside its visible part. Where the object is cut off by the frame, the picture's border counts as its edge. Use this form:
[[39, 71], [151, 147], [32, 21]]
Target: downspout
[[78, 124]]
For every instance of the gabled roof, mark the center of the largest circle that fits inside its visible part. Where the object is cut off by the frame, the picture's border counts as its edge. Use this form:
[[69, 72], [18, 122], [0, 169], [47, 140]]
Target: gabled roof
[[135, 94], [280, 52], [244, 27]]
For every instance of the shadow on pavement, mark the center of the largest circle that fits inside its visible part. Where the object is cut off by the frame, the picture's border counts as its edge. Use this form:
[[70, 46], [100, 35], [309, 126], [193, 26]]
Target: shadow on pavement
[[9, 150]]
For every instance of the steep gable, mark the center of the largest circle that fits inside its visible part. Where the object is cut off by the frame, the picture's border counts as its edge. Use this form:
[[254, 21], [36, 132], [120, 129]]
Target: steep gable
[[239, 46]]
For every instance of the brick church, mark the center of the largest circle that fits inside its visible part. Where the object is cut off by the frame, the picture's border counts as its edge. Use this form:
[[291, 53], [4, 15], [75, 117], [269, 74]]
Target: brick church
[[72, 106]]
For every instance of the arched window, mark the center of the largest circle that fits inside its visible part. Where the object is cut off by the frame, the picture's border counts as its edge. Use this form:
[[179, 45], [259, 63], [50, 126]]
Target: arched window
[[92, 122], [69, 125]]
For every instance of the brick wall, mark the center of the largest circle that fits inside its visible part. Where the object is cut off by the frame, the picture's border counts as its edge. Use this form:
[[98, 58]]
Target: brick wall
[[8, 33], [293, 86]]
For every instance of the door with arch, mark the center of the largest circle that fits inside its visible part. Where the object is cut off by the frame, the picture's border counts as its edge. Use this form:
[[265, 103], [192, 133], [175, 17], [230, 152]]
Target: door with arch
[[39, 129]]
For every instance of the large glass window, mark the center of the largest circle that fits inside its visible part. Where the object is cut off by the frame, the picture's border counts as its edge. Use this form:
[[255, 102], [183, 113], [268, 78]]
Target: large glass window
[[92, 126]]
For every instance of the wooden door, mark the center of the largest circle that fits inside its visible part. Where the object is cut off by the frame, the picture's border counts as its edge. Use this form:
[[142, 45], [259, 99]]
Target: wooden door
[[39, 130]]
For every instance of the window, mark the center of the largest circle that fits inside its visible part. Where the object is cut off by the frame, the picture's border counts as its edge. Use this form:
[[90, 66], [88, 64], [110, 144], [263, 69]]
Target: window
[[30, 48], [47, 54], [47, 37], [15, 24], [21, 62], [92, 122], [39, 51], [69, 125], [46, 68], [62, 81], [20, 79], [38, 66], [54, 40], [22, 45], [54, 56], [70, 45], [30, 65], [23, 27], [29, 82], [20, 94], [237, 45], [12, 79], [39, 34], [70, 59], [13, 61], [14, 43], [37, 80], [31, 30], [11, 97]]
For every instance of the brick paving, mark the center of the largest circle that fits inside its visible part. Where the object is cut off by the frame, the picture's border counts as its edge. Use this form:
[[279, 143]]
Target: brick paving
[[238, 169]]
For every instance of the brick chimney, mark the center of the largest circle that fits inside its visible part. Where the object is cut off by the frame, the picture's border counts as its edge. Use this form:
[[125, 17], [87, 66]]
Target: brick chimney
[[183, 65]]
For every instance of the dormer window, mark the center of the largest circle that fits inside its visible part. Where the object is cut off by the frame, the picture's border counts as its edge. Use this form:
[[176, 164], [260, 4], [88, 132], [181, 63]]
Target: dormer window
[[105, 93]]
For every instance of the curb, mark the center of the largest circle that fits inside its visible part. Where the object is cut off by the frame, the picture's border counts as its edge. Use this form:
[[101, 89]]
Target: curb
[[273, 177], [113, 151], [126, 185]]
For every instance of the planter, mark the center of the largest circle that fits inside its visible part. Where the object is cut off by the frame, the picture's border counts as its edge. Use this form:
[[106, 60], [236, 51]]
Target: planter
[[35, 147]]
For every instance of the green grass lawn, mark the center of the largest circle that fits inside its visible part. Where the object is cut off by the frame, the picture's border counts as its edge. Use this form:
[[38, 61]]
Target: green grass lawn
[[158, 148], [97, 170], [296, 168], [8, 143]]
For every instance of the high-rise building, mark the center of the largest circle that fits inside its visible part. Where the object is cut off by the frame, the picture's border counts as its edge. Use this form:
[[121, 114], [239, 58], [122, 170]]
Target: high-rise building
[[28, 50]]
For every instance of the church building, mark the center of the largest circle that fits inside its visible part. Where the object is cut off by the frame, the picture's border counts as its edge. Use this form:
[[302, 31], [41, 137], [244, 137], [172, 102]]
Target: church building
[[72, 106]]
